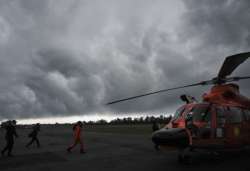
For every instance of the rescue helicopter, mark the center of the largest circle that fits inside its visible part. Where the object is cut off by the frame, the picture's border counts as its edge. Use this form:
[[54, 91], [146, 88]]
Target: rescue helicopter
[[221, 122]]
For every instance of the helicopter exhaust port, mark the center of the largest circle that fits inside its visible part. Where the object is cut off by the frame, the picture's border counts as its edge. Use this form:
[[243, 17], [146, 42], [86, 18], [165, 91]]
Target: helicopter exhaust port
[[174, 137]]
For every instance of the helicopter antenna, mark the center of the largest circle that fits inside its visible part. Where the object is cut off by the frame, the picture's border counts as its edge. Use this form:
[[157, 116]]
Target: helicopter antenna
[[228, 66]]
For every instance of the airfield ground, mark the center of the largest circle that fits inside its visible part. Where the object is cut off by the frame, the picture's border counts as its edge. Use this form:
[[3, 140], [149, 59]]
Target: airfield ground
[[108, 148]]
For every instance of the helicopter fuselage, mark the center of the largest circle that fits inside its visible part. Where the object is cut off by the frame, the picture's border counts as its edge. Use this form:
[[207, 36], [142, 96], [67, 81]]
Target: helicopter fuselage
[[221, 122]]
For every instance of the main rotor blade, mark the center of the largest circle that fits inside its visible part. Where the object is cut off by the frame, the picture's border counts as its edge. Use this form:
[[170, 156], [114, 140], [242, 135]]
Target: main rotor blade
[[231, 63], [160, 91], [244, 78], [231, 79]]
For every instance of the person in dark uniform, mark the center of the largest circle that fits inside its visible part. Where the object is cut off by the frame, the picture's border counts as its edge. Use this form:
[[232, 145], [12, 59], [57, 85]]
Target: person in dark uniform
[[155, 127], [9, 136], [33, 136]]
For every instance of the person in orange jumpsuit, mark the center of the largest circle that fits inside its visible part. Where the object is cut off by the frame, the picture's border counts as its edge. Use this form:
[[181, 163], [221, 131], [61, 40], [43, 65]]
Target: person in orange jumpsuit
[[77, 128]]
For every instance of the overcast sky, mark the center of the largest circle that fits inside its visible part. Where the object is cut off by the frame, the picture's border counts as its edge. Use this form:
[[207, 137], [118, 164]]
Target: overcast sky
[[62, 58]]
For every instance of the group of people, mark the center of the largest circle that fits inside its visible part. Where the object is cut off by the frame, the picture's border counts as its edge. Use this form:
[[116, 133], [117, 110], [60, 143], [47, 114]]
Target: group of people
[[11, 134]]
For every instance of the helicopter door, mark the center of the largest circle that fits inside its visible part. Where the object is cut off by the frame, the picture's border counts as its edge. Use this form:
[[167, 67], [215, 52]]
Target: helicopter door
[[199, 122], [220, 123], [247, 126], [233, 126]]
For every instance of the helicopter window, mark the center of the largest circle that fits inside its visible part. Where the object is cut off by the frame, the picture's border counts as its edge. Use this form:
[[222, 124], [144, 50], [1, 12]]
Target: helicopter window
[[221, 119], [200, 114], [234, 115], [178, 113], [198, 120]]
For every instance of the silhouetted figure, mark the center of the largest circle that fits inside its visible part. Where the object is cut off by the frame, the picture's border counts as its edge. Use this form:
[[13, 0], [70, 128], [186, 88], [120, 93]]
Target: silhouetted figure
[[168, 120], [77, 129], [9, 136], [33, 136], [155, 127]]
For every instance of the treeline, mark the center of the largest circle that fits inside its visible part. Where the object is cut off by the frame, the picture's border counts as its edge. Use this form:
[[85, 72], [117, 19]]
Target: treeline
[[118, 121], [129, 120]]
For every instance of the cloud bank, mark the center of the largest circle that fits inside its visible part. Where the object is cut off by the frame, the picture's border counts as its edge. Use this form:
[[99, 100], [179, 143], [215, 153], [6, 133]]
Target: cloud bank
[[72, 57]]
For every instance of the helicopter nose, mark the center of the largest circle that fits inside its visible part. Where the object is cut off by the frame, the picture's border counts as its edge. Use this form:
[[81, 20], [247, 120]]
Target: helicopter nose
[[175, 137]]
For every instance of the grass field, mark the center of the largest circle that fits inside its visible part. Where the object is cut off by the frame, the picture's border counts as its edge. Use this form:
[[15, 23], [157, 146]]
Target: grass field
[[143, 129], [120, 129], [109, 147]]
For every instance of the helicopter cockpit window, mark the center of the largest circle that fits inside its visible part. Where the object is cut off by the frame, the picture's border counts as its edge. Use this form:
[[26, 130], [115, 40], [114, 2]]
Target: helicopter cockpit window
[[178, 113], [234, 115], [198, 120], [200, 114]]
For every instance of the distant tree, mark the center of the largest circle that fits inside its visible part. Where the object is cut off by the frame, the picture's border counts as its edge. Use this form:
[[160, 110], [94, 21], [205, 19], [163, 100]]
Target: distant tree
[[129, 120], [101, 122]]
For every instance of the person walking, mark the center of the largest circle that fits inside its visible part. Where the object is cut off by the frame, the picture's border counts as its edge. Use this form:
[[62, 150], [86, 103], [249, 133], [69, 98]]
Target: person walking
[[33, 136], [155, 127], [10, 128], [77, 129]]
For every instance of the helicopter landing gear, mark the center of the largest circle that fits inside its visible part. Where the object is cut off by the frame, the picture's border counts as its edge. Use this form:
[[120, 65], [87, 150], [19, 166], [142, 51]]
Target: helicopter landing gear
[[184, 156]]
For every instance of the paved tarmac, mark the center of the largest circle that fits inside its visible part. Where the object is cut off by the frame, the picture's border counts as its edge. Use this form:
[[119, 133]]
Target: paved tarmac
[[106, 152]]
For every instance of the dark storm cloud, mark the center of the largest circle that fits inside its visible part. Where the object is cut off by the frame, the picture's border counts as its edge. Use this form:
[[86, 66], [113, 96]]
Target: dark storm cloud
[[216, 29], [73, 57]]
